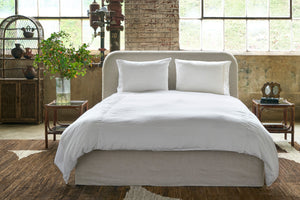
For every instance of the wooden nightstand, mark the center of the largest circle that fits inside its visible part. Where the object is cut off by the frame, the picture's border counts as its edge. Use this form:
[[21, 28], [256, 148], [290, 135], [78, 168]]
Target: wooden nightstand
[[57, 127], [288, 123]]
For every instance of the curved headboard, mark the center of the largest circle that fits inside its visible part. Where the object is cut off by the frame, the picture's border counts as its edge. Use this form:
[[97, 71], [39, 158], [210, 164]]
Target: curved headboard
[[110, 73]]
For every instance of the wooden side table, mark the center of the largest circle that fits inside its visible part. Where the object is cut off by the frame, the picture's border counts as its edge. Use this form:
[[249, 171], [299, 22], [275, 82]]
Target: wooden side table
[[288, 123], [58, 128]]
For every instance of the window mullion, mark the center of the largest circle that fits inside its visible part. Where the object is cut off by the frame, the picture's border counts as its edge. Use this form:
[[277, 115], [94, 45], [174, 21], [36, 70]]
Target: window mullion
[[201, 35], [246, 35], [59, 8], [223, 5], [38, 7], [223, 34], [291, 9], [202, 9], [291, 38], [16, 7], [269, 35], [268, 8]]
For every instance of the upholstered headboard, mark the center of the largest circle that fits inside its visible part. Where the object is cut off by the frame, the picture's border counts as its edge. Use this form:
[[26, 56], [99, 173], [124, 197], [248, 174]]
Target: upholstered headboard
[[110, 73]]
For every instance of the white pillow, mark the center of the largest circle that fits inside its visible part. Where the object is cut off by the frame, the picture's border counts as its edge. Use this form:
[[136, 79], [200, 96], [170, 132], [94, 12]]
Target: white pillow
[[201, 76], [143, 76]]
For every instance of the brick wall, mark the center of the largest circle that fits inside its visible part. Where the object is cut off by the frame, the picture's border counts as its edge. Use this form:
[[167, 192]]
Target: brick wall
[[151, 25]]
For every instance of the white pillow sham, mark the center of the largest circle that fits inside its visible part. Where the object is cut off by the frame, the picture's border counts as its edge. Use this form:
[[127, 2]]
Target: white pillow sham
[[143, 76], [202, 76]]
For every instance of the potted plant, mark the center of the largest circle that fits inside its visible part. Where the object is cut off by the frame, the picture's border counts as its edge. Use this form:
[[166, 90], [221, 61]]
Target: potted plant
[[63, 62]]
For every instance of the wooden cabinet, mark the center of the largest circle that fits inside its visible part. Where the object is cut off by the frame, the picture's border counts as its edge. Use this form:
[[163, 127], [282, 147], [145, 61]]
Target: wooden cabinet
[[21, 99]]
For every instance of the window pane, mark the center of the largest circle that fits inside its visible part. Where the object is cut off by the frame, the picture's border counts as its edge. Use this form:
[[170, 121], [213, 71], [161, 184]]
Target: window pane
[[189, 34], [296, 8], [296, 35], [49, 26], [7, 8], [280, 35], [213, 8], [235, 35], [257, 35], [235, 8], [86, 7], [122, 40], [27, 7], [88, 36], [279, 8], [257, 8], [70, 8], [212, 31], [49, 8], [73, 27], [190, 8]]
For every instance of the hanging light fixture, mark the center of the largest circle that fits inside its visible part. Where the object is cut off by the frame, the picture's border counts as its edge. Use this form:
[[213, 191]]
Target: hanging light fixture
[[99, 17]]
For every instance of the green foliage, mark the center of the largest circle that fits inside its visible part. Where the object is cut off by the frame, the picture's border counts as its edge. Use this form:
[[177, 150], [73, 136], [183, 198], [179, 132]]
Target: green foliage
[[57, 58]]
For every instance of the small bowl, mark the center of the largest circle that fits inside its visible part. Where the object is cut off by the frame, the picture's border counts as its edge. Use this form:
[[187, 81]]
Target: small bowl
[[28, 34]]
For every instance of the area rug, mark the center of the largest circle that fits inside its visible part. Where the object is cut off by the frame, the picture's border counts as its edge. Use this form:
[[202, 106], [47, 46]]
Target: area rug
[[27, 171]]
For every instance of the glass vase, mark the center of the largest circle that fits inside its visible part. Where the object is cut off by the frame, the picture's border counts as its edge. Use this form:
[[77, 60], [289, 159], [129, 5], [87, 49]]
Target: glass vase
[[63, 91]]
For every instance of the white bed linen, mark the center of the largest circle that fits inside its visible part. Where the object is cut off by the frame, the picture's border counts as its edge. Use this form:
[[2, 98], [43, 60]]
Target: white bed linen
[[167, 121]]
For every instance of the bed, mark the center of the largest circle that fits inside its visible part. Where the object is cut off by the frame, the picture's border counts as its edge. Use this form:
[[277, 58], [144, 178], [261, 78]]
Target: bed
[[140, 162]]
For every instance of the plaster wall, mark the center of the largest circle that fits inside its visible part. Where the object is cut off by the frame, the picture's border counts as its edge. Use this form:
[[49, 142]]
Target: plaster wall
[[254, 71]]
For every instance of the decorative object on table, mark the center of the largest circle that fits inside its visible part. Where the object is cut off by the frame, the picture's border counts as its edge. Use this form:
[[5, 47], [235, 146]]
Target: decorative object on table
[[67, 62], [63, 90], [17, 52], [30, 72], [28, 53], [28, 31], [271, 93]]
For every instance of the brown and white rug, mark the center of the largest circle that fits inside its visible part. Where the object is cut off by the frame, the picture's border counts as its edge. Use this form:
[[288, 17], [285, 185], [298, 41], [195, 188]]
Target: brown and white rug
[[27, 171]]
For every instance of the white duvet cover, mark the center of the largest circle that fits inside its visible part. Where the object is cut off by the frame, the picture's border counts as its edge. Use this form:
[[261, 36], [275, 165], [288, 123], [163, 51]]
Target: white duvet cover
[[167, 121]]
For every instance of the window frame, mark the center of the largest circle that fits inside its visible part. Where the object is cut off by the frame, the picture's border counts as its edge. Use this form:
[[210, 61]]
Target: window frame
[[59, 18], [269, 48]]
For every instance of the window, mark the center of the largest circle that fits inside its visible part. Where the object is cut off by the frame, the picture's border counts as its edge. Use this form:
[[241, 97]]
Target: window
[[56, 15], [240, 25]]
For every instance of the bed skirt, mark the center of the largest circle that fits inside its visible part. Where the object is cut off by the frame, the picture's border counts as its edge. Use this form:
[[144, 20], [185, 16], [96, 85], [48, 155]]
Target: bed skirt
[[161, 168]]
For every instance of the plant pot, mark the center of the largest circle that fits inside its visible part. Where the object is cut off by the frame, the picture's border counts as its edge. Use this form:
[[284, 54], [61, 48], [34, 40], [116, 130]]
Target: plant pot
[[63, 91]]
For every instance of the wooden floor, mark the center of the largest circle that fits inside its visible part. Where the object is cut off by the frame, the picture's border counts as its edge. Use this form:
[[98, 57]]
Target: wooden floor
[[36, 177]]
